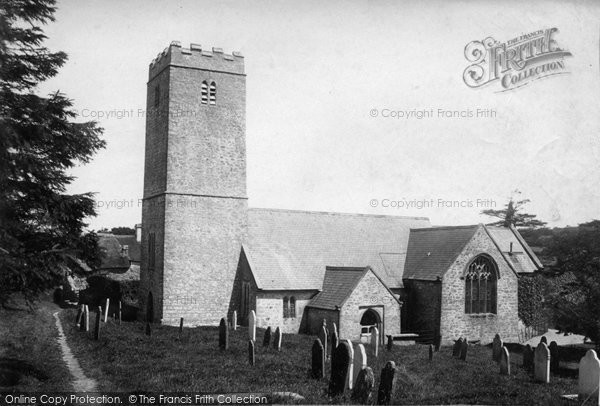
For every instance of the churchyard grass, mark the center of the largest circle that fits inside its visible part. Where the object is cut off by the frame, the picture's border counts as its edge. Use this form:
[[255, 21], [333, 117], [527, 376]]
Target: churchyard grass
[[125, 359]]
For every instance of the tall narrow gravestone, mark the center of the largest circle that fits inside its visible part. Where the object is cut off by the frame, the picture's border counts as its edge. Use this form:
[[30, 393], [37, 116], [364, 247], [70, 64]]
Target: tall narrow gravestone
[[350, 382], [251, 358], [181, 326], [390, 342], [252, 326], [542, 363], [106, 306], [340, 364], [589, 378], [318, 360], [277, 339], [365, 381], [323, 337], [463, 349], [504, 361], [267, 337], [387, 384], [456, 347], [234, 320], [86, 318], [223, 335], [360, 360], [97, 326], [120, 312], [375, 341], [528, 358], [334, 340], [497, 348], [554, 358]]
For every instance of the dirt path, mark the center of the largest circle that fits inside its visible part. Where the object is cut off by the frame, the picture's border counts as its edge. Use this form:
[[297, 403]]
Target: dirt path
[[81, 383]]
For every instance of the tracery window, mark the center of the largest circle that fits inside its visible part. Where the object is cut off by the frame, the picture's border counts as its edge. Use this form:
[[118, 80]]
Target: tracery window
[[481, 281]]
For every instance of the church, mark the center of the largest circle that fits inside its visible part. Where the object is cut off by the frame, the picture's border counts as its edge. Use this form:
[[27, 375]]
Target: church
[[206, 254]]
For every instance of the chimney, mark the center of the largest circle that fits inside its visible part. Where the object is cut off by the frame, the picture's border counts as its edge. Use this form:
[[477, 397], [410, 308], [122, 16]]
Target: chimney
[[511, 246], [125, 251], [138, 233]]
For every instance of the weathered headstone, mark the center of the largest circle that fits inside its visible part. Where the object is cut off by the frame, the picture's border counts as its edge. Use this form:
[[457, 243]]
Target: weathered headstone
[[390, 342], [106, 307], [97, 326], [277, 339], [589, 378], [148, 329], [365, 381], [463, 349], [544, 340], [528, 357], [542, 363], [267, 337], [120, 312], [79, 316], [252, 326], [554, 358], [430, 352], [223, 335], [456, 347], [318, 360], [340, 364], [180, 325], [251, 358], [375, 341], [335, 340], [497, 348], [234, 320], [86, 318], [387, 384], [323, 337], [334, 328], [504, 361], [350, 382], [360, 360]]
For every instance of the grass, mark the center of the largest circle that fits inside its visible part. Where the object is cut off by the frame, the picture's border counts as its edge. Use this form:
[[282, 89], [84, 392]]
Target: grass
[[30, 357], [125, 359]]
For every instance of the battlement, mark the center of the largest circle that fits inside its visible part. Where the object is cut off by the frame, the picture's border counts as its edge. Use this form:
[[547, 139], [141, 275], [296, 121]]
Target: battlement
[[195, 57]]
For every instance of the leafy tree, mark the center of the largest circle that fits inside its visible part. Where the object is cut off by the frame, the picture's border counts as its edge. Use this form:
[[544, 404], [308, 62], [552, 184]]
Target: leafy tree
[[512, 214], [40, 224], [122, 231]]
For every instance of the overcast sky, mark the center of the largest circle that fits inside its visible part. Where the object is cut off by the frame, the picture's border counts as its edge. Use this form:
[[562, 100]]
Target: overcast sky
[[316, 70]]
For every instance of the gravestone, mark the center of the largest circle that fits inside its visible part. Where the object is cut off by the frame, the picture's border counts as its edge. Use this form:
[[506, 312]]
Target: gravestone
[[181, 326], [97, 326], [106, 307], [504, 361], [437, 341], [390, 342], [365, 381], [497, 348], [375, 341], [589, 378], [340, 364], [528, 358], [79, 316], [323, 337], [267, 337], [234, 320], [430, 352], [542, 363], [350, 382], [554, 358], [387, 384], [334, 328], [456, 347], [360, 360], [463, 349], [318, 360], [335, 341], [277, 339], [544, 340], [148, 329], [251, 358], [223, 335], [120, 312], [252, 326], [86, 319]]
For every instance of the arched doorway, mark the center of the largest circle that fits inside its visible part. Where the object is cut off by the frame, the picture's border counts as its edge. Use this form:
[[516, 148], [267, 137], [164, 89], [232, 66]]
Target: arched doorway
[[369, 320], [150, 308]]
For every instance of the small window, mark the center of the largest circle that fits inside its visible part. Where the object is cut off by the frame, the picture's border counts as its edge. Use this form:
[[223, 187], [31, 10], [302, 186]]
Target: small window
[[213, 93], [292, 307], [204, 91], [156, 96], [286, 307], [151, 251]]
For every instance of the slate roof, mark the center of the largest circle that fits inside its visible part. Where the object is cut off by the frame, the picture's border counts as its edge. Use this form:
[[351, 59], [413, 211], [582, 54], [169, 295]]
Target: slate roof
[[134, 247], [112, 258], [289, 249], [338, 284], [432, 251]]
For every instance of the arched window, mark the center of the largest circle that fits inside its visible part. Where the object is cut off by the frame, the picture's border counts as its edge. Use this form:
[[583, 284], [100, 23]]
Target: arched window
[[286, 307], [156, 96], [204, 91], [213, 93], [292, 306], [480, 285]]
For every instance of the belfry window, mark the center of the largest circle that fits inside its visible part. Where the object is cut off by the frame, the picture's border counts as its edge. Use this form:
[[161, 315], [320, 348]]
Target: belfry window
[[204, 93], [481, 285], [212, 97], [156, 96]]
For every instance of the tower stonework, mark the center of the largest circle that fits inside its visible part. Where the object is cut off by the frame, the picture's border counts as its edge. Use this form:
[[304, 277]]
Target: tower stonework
[[194, 214]]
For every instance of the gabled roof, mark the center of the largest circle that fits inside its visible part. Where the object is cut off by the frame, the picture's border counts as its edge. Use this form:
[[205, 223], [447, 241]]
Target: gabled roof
[[431, 251], [522, 256], [338, 284], [113, 258], [289, 250]]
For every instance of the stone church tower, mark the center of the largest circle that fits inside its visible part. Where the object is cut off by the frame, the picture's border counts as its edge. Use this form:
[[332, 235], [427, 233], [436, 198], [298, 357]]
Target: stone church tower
[[194, 215]]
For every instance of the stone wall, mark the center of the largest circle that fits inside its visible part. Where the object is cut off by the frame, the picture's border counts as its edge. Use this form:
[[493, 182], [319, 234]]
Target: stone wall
[[315, 319], [269, 310]]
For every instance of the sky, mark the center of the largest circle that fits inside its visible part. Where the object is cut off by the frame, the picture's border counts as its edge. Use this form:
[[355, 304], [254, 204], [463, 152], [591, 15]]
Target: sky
[[334, 95]]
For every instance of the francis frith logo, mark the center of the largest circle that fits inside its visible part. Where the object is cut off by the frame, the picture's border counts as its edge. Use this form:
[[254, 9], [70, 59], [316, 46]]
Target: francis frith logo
[[514, 63]]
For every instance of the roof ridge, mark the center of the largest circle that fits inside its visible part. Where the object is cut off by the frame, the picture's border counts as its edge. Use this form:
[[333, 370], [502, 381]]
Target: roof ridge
[[336, 213], [445, 227]]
